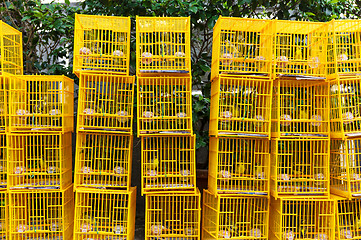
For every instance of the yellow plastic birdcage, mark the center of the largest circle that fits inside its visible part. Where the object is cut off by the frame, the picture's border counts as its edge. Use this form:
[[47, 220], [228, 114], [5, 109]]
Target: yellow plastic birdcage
[[241, 105], [242, 45], [163, 45], [39, 161], [345, 106], [11, 50], [300, 167], [239, 166], [41, 214], [168, 164], [300, 108], [348, 218], [105, 102], [164, 105], [234, 217], [345, 168], [101, 43], [105, 214], [4, 214], [103, 160], [41, 103], [344, 46], [173, 216], [302, 219], [300, 48]]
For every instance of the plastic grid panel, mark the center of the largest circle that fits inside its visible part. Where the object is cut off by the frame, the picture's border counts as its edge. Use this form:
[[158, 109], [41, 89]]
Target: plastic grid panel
[[163, 45], [41, 214], [103, 160], [164, 105], [39, 160], [239, 166], [300, 48], [104, 214], [11, 50], [172, 216], [41, 103], [234, 217], [300, 108], [101, 44], [168, 164], [300, 167], [105, 103], [242, 45], [241, 105]]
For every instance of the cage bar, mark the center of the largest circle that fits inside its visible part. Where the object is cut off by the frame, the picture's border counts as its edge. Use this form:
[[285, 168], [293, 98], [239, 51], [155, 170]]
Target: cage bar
[[239, 166], [241, 105], [300, 48], [41, 103], [168, 164], [163, 45], [103, 160], [302, 219], [104, 214], [39, 161], [41, 214], [242, 46], [173, 216], [300, 108], [345, 167], [101, 44], [164, 105], [105, 103], [234, 217], [11, 50], [300, 167]]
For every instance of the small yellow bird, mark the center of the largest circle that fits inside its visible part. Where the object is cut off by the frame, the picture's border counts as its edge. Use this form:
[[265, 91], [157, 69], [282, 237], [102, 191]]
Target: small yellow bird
[[358, 223], [303, 114], [298, 54], [240, 168], [153, 164]]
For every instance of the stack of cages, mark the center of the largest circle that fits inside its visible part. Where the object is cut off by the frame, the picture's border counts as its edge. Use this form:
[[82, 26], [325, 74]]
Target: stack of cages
[[164, 121], [345, 86], [105, 201], [236, 204], [39, 157], [300, 144]]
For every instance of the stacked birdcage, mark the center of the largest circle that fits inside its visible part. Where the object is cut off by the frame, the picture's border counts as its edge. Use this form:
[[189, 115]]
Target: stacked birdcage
[[236, 203], [105, 201], [39, 156], [164, 121]]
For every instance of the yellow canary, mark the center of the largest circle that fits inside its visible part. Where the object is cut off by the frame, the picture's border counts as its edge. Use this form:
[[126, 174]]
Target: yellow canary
[[42, 163], [298, 54], [240, 168], [302, 231], [358, 223], [303, 114], [230, 47], [154, 164]]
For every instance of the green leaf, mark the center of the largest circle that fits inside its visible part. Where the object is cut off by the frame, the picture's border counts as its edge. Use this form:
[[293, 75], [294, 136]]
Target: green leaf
[[67, 2], [193, 9], [205, 68]]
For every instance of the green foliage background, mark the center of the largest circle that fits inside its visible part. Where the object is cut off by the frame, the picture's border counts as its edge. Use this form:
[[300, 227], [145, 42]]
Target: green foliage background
[[48, 31]]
